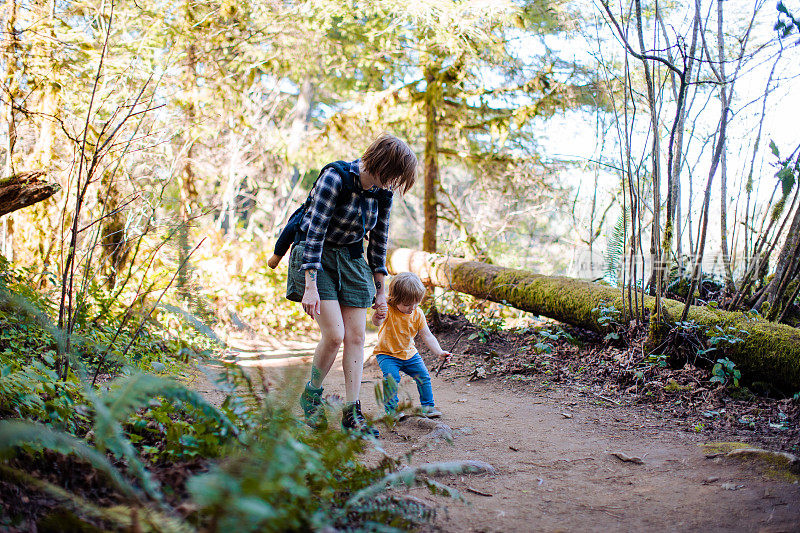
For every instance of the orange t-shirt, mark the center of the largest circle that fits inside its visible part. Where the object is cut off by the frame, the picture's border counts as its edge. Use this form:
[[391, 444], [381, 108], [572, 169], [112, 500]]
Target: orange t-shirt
[[396, 334]]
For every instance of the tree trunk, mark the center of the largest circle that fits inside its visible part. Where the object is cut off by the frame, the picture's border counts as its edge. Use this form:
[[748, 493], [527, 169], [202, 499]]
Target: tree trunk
[[431, 202], [188, 187], [300, 124], [784, 269], [24, 189], [50, 106], [769, 352], [676, 150], [656, 253], [114, 245], [723, 175], [10, 88], [10, 83]]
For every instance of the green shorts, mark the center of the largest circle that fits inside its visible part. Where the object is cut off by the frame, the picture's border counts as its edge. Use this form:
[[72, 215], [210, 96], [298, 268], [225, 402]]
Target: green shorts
[[342, 278]]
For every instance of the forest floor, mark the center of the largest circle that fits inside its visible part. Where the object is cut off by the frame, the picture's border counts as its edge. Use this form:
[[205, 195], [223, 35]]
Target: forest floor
[[550, 431]]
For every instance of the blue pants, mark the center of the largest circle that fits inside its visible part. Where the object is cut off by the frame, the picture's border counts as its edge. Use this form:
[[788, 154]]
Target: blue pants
[[414, 367]]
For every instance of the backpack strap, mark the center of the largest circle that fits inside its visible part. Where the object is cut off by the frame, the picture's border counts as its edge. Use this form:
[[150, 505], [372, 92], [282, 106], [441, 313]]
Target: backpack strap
[[349, 186], [342, 168], [384, 197], [348, 182]]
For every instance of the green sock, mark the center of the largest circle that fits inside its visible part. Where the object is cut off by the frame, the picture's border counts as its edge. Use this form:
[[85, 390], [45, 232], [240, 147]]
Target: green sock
[[316, 377]]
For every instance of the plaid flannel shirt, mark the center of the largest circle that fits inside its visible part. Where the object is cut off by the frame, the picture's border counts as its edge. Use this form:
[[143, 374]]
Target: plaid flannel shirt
[[324, 222]]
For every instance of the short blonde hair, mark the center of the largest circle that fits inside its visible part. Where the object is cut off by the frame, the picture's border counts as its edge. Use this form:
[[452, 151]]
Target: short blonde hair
[[405, 288], [391, 161]]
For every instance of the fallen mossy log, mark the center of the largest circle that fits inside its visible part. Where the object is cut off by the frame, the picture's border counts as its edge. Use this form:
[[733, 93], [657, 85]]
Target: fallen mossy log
[[769, 352], [24, 189]]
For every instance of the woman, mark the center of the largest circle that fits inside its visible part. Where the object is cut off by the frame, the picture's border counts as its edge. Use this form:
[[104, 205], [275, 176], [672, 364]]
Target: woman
[[329, 275]]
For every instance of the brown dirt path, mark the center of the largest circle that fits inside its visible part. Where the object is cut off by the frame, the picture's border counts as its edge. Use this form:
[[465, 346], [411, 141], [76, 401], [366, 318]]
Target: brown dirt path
[[555, 472]]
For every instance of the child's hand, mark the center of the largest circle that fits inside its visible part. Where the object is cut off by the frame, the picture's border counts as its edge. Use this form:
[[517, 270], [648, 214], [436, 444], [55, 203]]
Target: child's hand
[[377, 320], [273, 261], [445, 355]]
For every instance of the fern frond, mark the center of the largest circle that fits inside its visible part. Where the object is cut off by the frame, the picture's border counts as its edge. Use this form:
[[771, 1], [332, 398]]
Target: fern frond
[[19, 433], [377, 527], [231, 381], [119, 515], [17, 389], [195, 322], [412, 476], [411, 510], [109, 434], [128, 394], [26, 308], [615, 247]]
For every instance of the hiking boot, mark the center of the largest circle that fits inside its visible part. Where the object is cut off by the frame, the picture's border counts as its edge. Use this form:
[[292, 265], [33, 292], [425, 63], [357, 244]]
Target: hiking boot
[[429, 411], [314, 412], [354, 421]]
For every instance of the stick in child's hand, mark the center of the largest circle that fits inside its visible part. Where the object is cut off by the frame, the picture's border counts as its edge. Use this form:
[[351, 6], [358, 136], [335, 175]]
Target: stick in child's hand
[[447, 358]]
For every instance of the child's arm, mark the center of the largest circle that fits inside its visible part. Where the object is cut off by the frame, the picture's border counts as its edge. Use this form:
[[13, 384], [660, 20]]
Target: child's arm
[[286, 237], [431, 342], [285, 240]]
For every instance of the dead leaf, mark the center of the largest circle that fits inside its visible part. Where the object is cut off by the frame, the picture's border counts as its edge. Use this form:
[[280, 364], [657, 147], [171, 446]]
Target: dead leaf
[[478, 373]]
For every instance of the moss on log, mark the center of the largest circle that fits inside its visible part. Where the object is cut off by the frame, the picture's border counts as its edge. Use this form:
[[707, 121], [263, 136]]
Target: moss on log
[[770, 352], [24, 189]]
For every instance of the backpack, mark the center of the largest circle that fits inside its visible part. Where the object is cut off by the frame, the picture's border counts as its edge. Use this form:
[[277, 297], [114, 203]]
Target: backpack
[[291, 233]]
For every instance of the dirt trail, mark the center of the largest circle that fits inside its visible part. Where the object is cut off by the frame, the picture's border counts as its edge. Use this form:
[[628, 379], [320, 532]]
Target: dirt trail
[[555, 472]]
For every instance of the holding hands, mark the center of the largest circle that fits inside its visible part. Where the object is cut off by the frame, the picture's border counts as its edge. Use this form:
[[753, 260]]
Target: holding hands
[[381, 310]]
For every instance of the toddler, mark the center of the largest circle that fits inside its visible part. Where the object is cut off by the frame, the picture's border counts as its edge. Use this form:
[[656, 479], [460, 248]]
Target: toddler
[[399, 324]]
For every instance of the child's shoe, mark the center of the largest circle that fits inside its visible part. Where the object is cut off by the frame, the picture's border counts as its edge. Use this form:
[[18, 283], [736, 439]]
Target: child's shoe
[[429, 411], [311, 402], [397, 414], [354, 421]]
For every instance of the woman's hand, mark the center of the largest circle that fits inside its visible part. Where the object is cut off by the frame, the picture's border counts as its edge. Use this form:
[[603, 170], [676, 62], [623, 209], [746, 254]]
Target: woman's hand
[[310, 302]]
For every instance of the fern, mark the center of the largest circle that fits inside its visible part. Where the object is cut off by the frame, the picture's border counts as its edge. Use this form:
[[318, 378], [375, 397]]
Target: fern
[[15, 433], [120, 515], [392, 510], [18, 390], [615, 246], [413, 476], [195, 322], [133, 392]]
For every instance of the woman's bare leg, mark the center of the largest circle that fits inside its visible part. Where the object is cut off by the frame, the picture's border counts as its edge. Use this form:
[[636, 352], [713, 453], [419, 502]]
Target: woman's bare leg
[[355, 323], [332, 328]]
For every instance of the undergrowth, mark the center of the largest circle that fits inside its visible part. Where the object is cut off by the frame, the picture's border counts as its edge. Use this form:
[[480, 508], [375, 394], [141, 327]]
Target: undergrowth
[[119, 418]]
